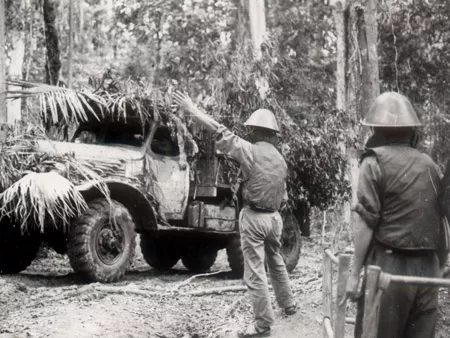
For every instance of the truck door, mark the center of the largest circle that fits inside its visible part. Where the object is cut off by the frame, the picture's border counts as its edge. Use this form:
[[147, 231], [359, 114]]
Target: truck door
[[170, 167]]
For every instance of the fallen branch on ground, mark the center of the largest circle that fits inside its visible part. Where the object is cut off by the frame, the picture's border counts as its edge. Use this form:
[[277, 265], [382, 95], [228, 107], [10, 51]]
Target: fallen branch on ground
[[218, 290], [131, 289], [187, 281]]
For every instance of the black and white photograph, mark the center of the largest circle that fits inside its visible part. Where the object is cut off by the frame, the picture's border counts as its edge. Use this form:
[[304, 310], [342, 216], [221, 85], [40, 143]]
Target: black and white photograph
[[224, 169]]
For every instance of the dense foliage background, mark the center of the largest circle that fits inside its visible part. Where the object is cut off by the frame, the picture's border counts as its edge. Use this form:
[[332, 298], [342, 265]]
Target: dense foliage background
[[202, 47]]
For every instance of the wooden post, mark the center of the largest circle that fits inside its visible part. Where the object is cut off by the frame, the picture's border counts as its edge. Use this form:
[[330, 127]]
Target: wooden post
[[3, 113], [339, 320], [327, 292], [370, 326]]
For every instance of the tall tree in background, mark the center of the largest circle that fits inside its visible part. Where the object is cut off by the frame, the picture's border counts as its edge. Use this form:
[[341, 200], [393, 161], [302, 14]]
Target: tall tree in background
[[53, 64], [257, 14], [241, 23], [71, 36], [363, 84], [2, 64], [357, 74], [341, 64], [16, 52]]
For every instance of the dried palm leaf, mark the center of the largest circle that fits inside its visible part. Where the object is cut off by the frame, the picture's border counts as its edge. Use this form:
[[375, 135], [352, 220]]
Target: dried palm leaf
[[38, 198]]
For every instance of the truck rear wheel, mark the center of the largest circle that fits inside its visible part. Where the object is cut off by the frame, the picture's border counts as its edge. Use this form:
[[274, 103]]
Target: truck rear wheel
[[159, 253], [17, 250], [199, 259], [102, 241], [235, 257], [291, 241]]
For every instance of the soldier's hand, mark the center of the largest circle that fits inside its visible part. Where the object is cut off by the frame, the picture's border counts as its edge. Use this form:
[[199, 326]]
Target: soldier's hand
[[351, 289], [184, 101]]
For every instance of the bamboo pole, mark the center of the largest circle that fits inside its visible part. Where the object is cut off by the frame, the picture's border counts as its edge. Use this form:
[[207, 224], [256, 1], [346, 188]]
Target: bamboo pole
[[370, 327], [420, 281], [339, 320], [327, 292]]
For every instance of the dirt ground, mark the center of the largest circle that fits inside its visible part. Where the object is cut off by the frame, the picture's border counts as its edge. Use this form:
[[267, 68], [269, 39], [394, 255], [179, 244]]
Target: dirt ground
[[47, 300]]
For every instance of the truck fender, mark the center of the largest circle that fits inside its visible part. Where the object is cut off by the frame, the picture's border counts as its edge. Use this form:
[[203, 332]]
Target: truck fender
[[142, 211]]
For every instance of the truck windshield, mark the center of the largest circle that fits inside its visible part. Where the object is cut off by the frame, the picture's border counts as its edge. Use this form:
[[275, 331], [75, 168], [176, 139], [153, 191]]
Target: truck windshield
[[110, 133]]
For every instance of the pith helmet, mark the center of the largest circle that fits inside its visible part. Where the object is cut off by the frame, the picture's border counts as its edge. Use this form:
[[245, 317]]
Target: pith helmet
[[391, 110], [263, 118]]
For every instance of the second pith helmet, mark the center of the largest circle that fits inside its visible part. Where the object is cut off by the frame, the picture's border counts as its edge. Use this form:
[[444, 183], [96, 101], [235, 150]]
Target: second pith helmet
[[391, 109], [263, 118]]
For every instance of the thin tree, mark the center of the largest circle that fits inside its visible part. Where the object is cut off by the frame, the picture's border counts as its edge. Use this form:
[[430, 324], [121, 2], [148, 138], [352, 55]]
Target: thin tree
[[241, 20], [53, 64], [257, 16], [71, 33], [3, 113], [357, 65]]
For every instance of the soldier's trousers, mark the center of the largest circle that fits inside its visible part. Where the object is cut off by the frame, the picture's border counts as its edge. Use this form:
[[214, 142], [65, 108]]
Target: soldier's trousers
[[406, 311], [260, 239]]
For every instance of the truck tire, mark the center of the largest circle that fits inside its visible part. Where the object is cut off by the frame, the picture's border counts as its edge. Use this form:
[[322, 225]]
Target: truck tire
[[17, 251], [235, 257], [199, 259], [102, 241], [291, 241], [158, 252]]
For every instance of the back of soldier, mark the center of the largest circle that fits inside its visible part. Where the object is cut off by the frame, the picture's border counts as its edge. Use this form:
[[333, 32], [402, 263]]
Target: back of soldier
[[265, 187]]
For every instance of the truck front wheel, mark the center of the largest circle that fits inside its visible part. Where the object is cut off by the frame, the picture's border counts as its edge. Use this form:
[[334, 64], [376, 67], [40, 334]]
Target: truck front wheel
[[102, 241]]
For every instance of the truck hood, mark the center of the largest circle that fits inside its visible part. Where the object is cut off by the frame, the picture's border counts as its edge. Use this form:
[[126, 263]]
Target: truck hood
[[108, 161], [92, 152]]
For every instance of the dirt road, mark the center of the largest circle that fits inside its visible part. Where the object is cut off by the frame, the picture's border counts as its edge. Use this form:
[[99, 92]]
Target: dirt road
[[47, 300]]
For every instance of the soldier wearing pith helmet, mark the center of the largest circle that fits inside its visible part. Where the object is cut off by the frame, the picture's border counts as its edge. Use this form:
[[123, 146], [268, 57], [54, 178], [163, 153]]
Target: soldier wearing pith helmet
[[397, 219], [264, 174]]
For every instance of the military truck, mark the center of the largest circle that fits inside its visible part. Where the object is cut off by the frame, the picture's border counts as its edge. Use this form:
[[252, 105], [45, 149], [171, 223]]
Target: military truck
[[178, 206]]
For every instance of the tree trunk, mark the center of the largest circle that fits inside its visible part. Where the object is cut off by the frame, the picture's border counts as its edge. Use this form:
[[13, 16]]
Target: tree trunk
[[80, 18], [30, 43], [362, 60], [357, 77], [257, 16], [339, 18], [71, 34], [16, 54], [367, 37], [241, 24], [53, 64], [339, 12], [3, 112]]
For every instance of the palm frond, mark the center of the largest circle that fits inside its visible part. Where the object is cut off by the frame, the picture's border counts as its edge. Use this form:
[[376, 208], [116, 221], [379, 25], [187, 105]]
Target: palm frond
[[38, 198], [59, 104]]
